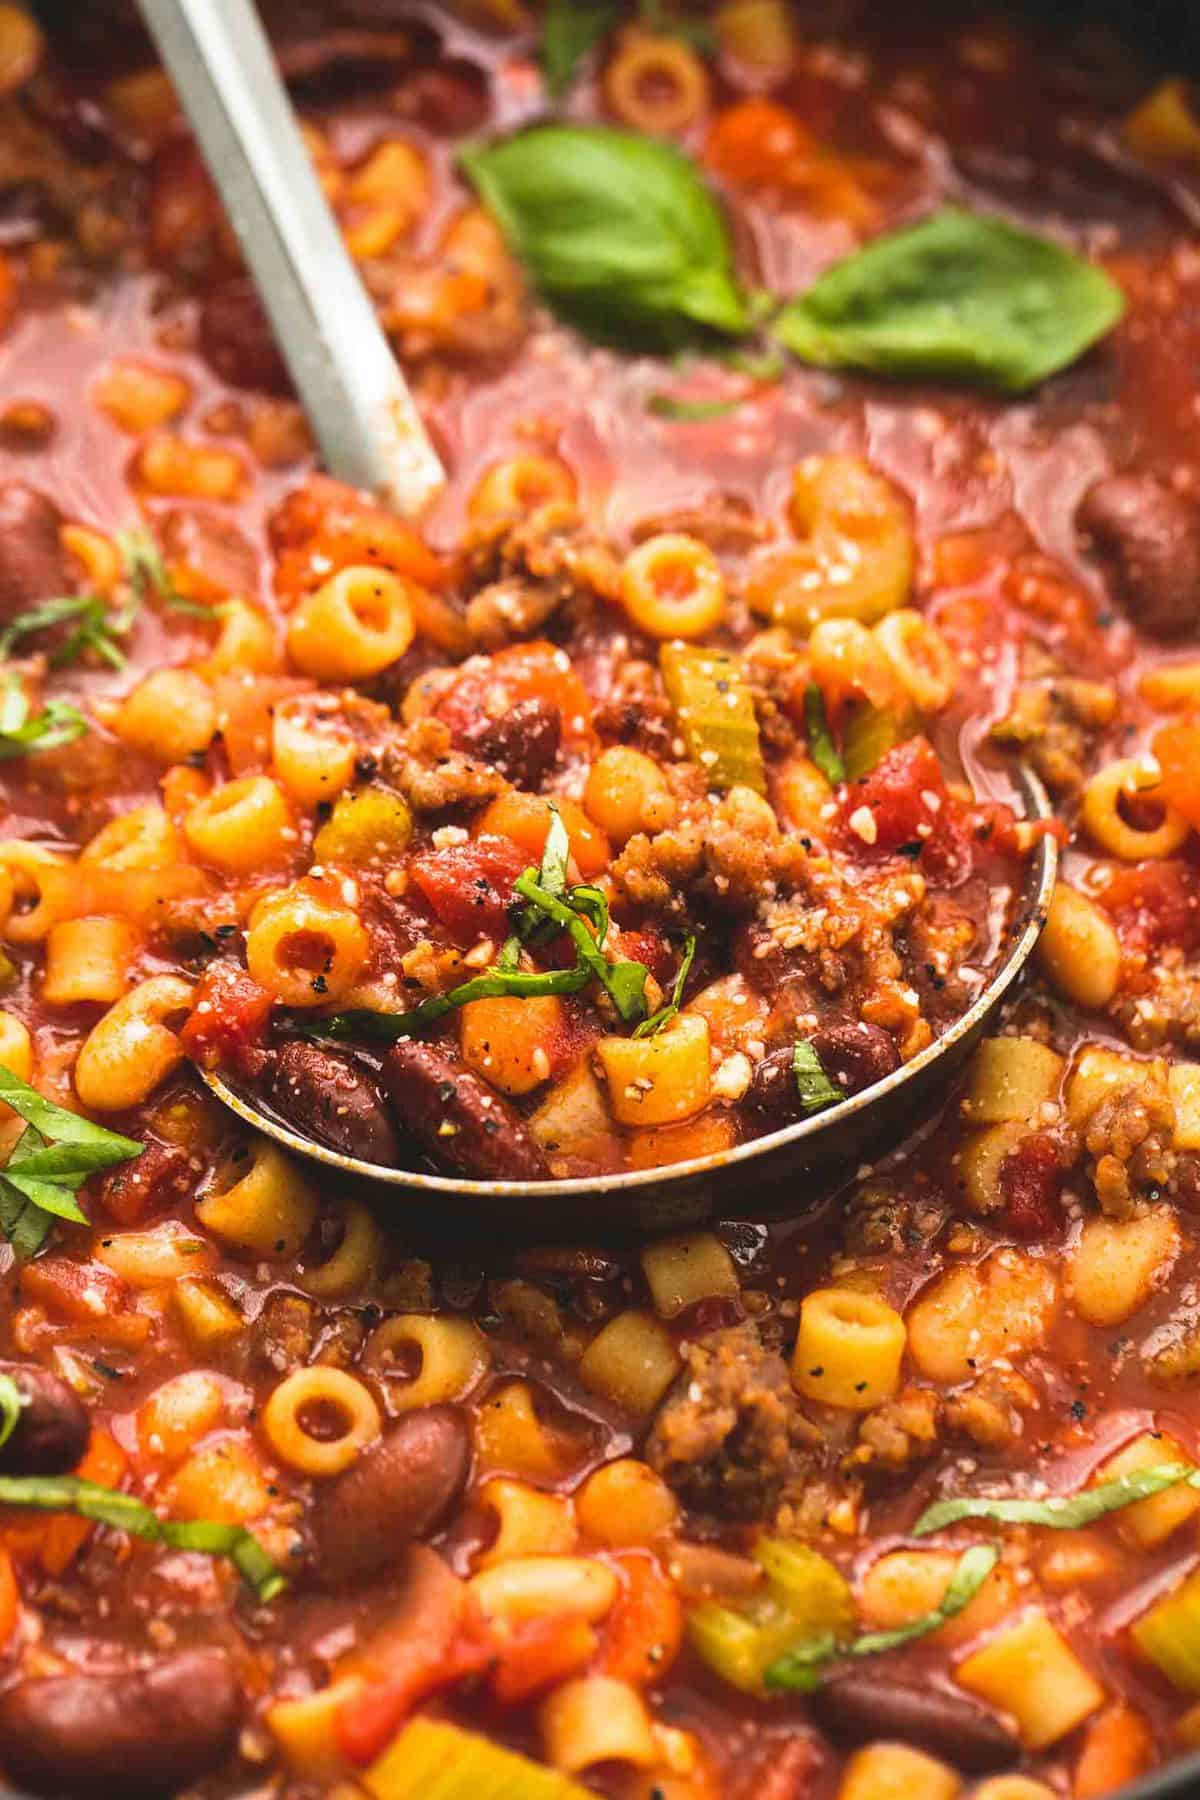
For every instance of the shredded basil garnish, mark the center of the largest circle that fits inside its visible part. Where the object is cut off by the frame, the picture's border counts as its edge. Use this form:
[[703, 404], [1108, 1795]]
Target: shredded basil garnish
[[821, 747], [11, 1404], [802, 1669], [389, 1028], [812, 1083], [123, 1512], [1060, 1512], [22, 732], [623, 982], [40, 1180], [665, 1014], [95, 627], [691, 412], [571, 31]]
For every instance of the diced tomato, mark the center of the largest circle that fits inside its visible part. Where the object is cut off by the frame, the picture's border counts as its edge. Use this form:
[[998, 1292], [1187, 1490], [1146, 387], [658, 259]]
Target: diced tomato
[[161, 1175], [245, 713], [490, 686], [55, 1539], [228, 1019], [470, 886], [79, 1292], [758, 144], [433, 1640], [10, 1599], [325, 525], [1177, 748], [644, 1629], [1155, 904], [539, 1654], [903, 797], [1031, 1179]]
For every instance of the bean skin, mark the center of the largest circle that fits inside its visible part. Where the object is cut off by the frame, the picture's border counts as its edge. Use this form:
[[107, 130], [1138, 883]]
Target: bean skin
[[430, 1090], [400, 1489], [141, 1735], [52, 1432], [32, 564], [853, 1055], [329, 1098], [860, 1708], [1147, 536], [523, 744]]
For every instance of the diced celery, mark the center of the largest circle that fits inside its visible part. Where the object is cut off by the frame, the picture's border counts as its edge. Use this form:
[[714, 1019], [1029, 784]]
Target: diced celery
[[870, 732], [807, 1602], [367, 825], [434, 1760], [817, 1596], [1168, 1634], [714, 710]]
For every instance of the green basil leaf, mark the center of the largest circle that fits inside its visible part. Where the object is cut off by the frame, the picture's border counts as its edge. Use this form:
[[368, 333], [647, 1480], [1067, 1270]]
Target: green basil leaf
[[10, 1408], [618, 232], [959, 295], [821, 747], [24, 1225], [571, 31], [124, 1512], [665, 1014], [21, 734], [63, 1126], [970, 1572], [658, 18], [555, 855], [690, 412], [1060, 1512], [812, 1083], [801, 1670], [389, 1028], [624, 982], [97, 628]]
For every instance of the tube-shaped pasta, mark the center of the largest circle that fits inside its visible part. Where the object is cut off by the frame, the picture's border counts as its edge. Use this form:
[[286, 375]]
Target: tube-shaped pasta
[[132, 1048], [655, 84], [351, 1266], [1012, 1078], [223, 1481], [171, 466], [1079, 950], [519, 485], [312, 753], [661, 1079], [142, 839], [597, 1720], [1128, 780], [355, 624], [848, 661], [855, 558], [1118, 1263], [626, 1503], [259, 1201], [922, 659], [16, 1051], [169, 716], [1030, 1671], [528, 1522], [327, 1400], [304, 949], [804, 797], [672, 587], [159, 1257], [883, 1770], [42, 884], [178, 1414], [89, 960], [538, 1587], [245, 641], [451, 1356], [241, 827], [848, 1350], [631, 1360], [681, 1271], [510, 1436]]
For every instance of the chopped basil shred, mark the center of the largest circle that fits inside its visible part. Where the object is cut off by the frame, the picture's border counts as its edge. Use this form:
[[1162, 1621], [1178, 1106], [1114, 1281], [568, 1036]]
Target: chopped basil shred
[[801, 1669], [389, 1028], [571, 31], [623, 982], [1060, 1512], [691, 412], [10, 1408], [812, 1083], [123, 1512], [666, 1013], [23, 732], [821, 747], [40, 1180], [94, 627]]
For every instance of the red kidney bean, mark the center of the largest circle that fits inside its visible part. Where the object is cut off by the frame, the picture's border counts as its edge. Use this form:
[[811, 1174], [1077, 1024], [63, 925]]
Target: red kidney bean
[[450, 100], [52, 1432], [456, 1118], [234, 335], [33, 565], [141, 1735], [523, 744], [400, 1489], [328, 1097], [772, 1091], [855, 1055], [860, 1708], [1148, 538]]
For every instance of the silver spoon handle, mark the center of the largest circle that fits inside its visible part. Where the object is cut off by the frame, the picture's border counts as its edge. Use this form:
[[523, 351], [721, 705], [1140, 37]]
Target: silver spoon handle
[[356, 398]]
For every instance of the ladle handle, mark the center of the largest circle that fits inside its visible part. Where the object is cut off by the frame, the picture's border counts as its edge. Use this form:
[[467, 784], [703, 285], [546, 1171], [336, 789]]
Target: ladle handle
[[356, 398]]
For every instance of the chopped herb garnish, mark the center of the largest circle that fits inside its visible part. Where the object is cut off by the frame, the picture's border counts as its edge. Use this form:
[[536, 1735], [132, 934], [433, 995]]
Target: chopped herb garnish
[[571, 31], [665, 1014], [40, 1180], [94, 627], [813, 1084], [691, 412], [150, 578], [389, 1028], [10, 1408], [123, 1512], [623, 982], [1060, 1512], [821, 747], [22, 733], [801, 1669]]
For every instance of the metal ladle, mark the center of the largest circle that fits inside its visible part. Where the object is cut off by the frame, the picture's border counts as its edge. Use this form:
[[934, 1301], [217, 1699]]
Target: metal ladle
[[371, 435]]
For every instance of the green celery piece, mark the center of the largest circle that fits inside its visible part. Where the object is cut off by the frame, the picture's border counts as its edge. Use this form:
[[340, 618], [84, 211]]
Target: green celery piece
[[815, 1593], [1168, 1635], [871, 731], [807, 1612], [715, 713], [435, 1760]]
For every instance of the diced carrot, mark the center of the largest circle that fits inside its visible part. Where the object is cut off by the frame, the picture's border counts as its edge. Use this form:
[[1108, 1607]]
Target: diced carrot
[[325, 526], [1177, 748], [644, 1630], [1117, 1748], [10, 1599], [83, 1293], [525, 819]]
